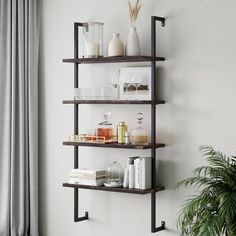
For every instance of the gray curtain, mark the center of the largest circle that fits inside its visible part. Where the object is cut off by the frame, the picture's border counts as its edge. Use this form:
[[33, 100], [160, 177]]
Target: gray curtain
[[18, 117]]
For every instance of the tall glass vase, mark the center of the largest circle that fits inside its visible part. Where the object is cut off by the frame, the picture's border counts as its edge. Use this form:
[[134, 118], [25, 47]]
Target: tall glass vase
[[132, 47]]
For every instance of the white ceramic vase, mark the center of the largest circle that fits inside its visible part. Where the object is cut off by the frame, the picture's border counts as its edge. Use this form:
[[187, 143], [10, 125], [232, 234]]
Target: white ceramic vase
[[115, 47], [132, 47]]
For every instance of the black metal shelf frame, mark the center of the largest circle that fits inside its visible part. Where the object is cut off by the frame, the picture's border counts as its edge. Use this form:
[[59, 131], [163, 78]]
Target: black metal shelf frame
[[154, 20]]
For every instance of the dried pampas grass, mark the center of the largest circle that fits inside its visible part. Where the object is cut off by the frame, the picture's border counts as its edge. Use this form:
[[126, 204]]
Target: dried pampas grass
[[133, 11]]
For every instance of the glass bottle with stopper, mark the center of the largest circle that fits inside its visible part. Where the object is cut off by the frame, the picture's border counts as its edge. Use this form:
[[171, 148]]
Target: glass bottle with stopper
[[139, 134], [105, 128]]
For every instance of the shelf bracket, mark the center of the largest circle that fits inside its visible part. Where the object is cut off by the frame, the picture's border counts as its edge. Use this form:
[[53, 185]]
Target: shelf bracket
[[154, 19], [160, 228], [155, 229], [85, 217], [76, 206], [76, 122], [161, 19]]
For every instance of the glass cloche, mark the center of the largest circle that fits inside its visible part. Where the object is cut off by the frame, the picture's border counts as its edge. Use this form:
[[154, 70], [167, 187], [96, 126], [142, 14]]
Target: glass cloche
[[114, 175]]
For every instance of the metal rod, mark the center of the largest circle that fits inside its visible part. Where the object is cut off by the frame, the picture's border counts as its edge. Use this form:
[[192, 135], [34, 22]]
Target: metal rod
[[153, 123], [76, 122], [153, 94]]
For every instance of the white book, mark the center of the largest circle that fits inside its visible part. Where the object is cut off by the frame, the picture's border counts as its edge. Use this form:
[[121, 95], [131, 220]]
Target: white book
[[145, 171], [86, 176], [84, 173], [91, 182], [87, 171]]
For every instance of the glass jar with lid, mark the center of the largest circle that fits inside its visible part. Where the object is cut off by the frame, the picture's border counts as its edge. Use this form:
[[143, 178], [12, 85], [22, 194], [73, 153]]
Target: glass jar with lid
[[92, 39], [139, 134], [105, 128], [114, 175]]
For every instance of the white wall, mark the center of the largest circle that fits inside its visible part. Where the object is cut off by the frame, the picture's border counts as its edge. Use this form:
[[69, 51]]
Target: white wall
[[198, 83]]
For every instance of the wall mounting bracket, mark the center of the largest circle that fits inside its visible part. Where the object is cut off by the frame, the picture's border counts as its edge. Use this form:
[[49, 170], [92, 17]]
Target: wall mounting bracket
[[76, 123], [154, 19]]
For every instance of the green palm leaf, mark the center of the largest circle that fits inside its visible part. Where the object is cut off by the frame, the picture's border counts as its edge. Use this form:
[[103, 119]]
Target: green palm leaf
[[213, 210]]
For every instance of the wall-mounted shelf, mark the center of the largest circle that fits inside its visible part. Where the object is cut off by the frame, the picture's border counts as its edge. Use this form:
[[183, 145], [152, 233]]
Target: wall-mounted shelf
[[119, 190], [113, 59], [115, 145], [154, 101], [124, 102]]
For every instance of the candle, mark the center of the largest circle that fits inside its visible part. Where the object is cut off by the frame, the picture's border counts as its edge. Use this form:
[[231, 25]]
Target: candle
[[93, 49]]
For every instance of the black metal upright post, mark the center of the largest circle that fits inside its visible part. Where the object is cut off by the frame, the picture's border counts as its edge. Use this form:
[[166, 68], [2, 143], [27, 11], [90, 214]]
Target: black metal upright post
[[76, 122], [153, 122]]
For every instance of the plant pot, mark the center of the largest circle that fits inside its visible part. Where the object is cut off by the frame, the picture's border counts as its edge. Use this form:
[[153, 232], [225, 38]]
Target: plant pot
[[132, 47], [115, 47]]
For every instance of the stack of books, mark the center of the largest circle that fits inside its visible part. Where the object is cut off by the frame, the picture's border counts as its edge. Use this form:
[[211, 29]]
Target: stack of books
[[87, 177]]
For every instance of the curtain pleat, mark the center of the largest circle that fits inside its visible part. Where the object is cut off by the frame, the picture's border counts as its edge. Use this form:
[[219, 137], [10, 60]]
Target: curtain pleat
[[19, 29]]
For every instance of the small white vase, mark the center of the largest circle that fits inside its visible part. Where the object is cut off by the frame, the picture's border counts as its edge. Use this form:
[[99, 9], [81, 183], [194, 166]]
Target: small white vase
[[115, 47], [132, 47]]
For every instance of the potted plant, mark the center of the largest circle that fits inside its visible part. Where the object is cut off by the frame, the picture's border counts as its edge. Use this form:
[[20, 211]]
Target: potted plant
[[213, 211]]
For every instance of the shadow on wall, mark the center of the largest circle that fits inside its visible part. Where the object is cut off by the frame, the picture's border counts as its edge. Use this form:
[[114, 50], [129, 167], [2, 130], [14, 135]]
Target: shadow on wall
[[166, 174]]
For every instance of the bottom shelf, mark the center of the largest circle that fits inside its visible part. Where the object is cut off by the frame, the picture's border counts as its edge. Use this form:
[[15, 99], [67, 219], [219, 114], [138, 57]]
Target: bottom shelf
[[120, 190]]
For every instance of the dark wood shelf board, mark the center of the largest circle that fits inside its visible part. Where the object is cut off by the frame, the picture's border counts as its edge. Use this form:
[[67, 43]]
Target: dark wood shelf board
[[120, 190], [114, 145], [113, 59], [134, 102]]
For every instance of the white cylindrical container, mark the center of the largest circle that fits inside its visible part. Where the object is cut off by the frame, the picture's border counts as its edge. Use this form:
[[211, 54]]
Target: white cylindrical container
[[131, 176], [126, 178], [132, 47], [115, 47]]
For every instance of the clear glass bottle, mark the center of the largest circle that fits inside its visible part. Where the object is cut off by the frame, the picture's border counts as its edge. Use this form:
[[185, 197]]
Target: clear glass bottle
[[114, 175], [105, 128], [139, 134]]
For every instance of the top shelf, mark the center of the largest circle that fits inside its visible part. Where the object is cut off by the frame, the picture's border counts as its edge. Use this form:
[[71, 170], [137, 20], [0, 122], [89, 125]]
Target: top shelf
[[113, 59]]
